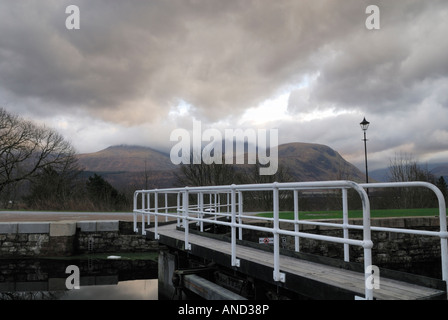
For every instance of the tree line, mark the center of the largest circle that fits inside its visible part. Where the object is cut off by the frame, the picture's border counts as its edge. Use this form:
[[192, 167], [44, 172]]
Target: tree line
[[402, 168], [405, 168], [39, 170]]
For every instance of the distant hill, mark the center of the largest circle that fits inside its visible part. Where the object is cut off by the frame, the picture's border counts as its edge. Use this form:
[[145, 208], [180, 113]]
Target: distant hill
[[380, 175], [137, 167], [130, 167], [126, 158], [437, 169], [316, 162]]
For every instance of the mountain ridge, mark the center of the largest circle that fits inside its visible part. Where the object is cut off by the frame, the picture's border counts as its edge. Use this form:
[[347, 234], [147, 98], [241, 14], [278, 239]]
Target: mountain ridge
[[317, 162], [129, 158], [133, 166]]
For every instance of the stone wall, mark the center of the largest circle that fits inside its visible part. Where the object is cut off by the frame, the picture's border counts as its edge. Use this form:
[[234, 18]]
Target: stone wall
[[66, 238], [389, 248]]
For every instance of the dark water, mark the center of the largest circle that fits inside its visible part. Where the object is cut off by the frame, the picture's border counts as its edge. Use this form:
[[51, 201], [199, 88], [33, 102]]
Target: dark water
[[124, 290], [99, 279], [431, 269], [128, 278]]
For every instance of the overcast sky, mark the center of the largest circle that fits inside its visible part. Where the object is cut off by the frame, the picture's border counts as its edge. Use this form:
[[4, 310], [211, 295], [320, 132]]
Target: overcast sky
[[136, 70]]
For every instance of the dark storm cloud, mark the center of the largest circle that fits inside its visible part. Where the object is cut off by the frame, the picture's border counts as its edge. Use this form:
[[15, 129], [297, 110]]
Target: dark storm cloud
[[132, 62], [216, 55], [395, 67]]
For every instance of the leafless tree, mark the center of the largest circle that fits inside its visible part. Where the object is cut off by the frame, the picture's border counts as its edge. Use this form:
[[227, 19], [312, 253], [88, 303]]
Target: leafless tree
[[405, 168], [263, 200], [202, 174], [26, 149]]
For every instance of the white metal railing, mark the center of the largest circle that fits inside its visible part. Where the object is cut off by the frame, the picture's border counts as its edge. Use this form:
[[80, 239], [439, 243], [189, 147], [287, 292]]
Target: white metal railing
[[234, 195], [227, 201], [442, 233]]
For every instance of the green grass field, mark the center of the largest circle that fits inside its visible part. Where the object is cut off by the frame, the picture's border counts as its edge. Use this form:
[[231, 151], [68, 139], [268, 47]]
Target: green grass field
[[356, 213]]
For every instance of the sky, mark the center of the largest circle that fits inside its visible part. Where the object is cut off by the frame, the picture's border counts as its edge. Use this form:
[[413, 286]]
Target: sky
[[136, 70]]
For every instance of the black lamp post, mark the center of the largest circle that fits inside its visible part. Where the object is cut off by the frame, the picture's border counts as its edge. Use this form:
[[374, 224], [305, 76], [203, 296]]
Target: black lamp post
[[364, 126]]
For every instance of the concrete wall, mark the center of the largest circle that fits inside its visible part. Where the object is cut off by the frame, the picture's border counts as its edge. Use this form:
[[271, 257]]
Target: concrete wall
[[65, 238]]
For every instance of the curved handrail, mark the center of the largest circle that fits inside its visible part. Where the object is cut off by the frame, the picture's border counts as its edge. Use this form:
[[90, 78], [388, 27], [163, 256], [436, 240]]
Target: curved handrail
[[184, 210], [443, 234]]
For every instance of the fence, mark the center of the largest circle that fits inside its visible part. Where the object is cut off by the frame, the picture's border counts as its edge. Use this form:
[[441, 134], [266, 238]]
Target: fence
[[207, 204]]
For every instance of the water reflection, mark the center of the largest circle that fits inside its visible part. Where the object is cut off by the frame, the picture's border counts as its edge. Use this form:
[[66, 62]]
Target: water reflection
[[126, 290], [100, 279]]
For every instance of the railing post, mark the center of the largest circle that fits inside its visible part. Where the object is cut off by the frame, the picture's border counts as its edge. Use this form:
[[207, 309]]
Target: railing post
[[201, 210], [166, 206], [178, 208], [217, 205], [143, 214], [211, 203], [345, 224], [228, 206], [240, 213], [156, 216], [367, 244], [235, 261], [278, 276], [444, 254], [134, 212], [185, 220], [148, 207], [296, 220]]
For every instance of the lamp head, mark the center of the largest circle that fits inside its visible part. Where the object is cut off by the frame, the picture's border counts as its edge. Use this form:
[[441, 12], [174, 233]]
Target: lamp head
[[364, 124]]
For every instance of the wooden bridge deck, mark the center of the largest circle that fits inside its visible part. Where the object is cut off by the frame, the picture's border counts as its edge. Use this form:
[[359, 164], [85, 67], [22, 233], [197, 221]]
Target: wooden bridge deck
[[299, 272]]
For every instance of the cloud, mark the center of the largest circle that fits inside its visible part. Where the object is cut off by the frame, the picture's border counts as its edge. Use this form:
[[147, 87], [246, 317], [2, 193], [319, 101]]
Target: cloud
[[390, 68], [133, 63], [221, 57]]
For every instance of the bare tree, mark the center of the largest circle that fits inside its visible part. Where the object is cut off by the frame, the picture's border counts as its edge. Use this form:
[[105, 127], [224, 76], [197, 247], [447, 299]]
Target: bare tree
[[441, 184], [405, 168], [202, 174], [26, 149], [263, 200]]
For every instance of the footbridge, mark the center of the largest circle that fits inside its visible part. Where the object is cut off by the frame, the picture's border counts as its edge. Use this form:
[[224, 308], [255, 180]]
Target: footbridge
[[186, 221]]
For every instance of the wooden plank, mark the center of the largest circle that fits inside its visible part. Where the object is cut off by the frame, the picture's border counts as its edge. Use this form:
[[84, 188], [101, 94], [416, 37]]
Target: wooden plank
[[345, 279]]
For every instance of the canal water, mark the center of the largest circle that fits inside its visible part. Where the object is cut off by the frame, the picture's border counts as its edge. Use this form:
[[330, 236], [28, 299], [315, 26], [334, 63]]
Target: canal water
[[102, 277], [127, 277]]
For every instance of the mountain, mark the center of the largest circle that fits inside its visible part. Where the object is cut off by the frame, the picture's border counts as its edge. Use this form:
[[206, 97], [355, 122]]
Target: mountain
[[439, 170], [126, 158], [316, 162], [380, 175], [436, 169], [136, 167], [130, 167]]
